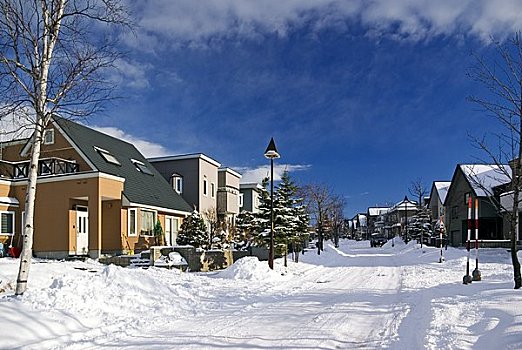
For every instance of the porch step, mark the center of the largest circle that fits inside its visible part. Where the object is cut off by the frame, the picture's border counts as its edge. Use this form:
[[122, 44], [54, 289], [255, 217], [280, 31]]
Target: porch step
[[76, 258], [140, 262]]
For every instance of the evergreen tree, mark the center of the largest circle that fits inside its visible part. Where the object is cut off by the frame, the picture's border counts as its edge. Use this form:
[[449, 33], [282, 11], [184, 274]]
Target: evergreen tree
[[158, 233], [261, 222], [220, 240], [193, 231], [243, 236], [291, 219]]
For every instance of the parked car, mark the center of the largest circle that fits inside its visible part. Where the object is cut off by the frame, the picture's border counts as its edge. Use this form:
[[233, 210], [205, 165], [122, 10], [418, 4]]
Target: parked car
[[377, 239]]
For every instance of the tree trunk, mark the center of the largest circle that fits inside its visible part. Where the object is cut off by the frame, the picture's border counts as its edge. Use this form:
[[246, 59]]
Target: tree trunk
[[514, 226], [30, 197]]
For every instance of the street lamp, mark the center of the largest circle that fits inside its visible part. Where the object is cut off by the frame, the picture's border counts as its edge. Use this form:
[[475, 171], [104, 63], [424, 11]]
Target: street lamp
[[406, 218], [271, 153]]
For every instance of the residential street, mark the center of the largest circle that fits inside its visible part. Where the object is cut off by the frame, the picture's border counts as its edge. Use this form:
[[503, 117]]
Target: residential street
[[352, 297]]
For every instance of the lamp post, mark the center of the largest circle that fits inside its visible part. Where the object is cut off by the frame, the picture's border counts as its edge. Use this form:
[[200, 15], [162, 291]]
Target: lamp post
[[406, 218], [271, 153]]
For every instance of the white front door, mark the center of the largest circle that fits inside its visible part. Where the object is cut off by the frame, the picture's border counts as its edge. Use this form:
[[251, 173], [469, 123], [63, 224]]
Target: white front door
[[171, 230], [82, 231]]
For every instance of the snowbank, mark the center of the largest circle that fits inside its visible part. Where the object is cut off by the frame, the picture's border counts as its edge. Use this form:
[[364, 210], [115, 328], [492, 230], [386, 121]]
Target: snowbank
[[397, 297], [250, 268]]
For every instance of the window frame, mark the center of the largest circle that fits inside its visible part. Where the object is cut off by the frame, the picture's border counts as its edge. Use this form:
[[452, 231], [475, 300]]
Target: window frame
[[107, 156], [205, 186], [212, 190], [129, 223], [46, 132], [240, 200], [154, 220], [13, 223], [179, 184], [141, 167]]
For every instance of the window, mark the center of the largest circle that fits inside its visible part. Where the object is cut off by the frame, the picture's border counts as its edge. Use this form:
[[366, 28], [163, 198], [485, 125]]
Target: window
[[466, 198], [147, 222], [48, 137], [132, 223], [7, 223], [179, 185], [213, 189], [240, 200], [107, 156], [205, 186], [176, 181], [142, 167]]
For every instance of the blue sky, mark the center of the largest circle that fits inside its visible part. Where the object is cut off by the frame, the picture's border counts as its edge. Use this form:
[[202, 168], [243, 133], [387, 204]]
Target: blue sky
[[362, 96]]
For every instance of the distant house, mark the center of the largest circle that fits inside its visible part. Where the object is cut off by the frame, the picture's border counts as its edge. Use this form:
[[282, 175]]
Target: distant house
[[229, 197], [398, 217], [438, 193], [360, 226], [376, 219], [250, 196], [96, 194], [203, 183], [477, 181], [193, 176]]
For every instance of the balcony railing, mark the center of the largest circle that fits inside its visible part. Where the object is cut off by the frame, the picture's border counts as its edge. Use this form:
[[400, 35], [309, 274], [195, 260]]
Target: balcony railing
[[46, 166]]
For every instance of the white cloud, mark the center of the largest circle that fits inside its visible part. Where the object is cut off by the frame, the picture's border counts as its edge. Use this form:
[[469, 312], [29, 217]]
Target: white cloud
[[251, 175], [131, 74], [198, 21], [147, 148]]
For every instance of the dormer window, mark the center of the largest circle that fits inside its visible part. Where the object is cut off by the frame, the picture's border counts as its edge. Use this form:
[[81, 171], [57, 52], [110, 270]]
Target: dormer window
[[177, 183], [48, 137], [107, 156], [141, 167]]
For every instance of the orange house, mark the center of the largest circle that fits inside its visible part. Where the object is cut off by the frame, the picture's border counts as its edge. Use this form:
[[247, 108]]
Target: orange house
[[95, 195]]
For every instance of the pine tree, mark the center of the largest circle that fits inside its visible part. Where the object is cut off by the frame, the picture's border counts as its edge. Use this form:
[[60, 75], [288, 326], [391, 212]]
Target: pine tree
[[158, 233], [261, 222], [291, 219], [244, 233], [194, 232]]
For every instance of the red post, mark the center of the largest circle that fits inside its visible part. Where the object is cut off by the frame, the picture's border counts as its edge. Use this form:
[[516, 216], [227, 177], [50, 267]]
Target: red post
[[476, 272], [467, 278]]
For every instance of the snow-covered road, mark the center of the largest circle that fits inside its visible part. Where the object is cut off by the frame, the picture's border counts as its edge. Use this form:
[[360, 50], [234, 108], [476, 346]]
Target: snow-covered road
[[352, 297]]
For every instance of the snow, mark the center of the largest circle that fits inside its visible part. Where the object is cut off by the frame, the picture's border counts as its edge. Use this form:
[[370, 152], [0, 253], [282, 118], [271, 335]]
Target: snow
[[484, 177], [377, 211], [395, 297], [442, 189]]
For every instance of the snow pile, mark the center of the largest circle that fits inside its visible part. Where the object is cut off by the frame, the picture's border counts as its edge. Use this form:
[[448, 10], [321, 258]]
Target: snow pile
[[249, 268], [174, 259]]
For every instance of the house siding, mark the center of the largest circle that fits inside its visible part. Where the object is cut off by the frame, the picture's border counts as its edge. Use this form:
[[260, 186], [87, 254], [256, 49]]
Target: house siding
[[491, 225]]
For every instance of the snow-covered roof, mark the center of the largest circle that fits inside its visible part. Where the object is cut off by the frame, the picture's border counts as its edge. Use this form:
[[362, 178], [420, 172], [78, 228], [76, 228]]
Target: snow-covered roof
[[373, 211], [442, 189], [9, 201], [362, 219], [484, 177], [404, 205]]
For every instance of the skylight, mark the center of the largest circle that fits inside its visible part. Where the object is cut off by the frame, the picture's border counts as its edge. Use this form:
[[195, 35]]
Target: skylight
[[141, 167], [107, 156]]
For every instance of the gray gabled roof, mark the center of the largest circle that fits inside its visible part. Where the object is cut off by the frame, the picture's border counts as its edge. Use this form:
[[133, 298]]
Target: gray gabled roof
[[484, 177], [140, 188]]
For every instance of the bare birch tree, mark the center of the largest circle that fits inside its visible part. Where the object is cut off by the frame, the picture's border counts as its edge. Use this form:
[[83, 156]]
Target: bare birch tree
[[53, 56], [502, 78]]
